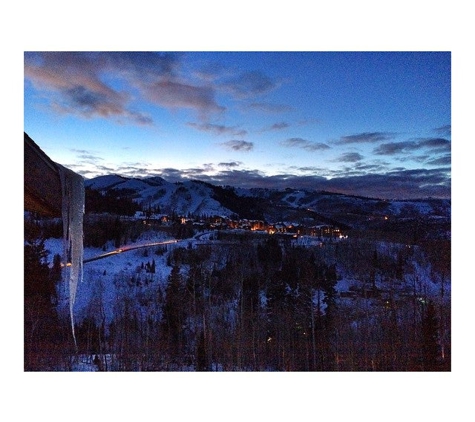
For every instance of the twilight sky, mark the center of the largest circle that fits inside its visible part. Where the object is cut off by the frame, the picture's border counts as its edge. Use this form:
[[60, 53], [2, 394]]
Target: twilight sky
[[365, 123]]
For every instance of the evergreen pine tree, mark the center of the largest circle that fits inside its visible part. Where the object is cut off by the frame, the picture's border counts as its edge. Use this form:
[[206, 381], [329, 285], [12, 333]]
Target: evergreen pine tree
[[173, 313], [430, 336], [201, 358]]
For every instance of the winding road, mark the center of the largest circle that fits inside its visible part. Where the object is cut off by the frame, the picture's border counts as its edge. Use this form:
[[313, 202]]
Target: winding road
[[129, 248]]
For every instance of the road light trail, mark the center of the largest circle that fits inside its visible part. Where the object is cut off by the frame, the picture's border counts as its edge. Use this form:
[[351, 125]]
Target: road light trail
[[127, 249]]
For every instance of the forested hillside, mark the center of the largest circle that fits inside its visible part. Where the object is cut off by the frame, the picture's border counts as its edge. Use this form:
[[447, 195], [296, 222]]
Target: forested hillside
[[238, 300]]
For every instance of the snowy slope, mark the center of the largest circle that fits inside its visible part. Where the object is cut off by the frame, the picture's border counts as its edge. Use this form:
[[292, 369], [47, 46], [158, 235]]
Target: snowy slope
[[105, 281], [190, 197], [104, 182]]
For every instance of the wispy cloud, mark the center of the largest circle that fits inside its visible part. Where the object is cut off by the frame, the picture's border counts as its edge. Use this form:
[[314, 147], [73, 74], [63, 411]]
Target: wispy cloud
[[218, 129], [350, 157], [231, 164], [89, 157], [304, 144], [444, 130], [307, 169], [92, 169], [238, 145], [276, 127], [440, 161], [393, 148], [172, 94], [365, 137], [211, 71], [435, 145], [269, 108], [249, 84], [85, 157]]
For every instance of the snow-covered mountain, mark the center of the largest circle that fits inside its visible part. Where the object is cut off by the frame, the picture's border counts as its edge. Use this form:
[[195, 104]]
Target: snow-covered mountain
[[200, 198], [192, 197]]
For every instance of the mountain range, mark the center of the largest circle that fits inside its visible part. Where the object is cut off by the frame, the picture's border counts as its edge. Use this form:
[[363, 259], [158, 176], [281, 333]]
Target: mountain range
[[197, 198]]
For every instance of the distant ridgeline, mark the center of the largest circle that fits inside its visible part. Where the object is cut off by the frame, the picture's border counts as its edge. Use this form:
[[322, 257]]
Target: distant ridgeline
[[125, 196]]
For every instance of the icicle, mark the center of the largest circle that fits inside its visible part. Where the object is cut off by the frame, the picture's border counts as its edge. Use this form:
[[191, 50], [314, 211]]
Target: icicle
[[73, 213]]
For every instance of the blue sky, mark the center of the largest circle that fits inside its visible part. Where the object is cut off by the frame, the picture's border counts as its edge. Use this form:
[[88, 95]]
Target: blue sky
[[365, 123]]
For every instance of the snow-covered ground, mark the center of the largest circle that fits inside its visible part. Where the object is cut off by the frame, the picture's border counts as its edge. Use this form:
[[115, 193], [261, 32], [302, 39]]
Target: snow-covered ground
[[104, 278]]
